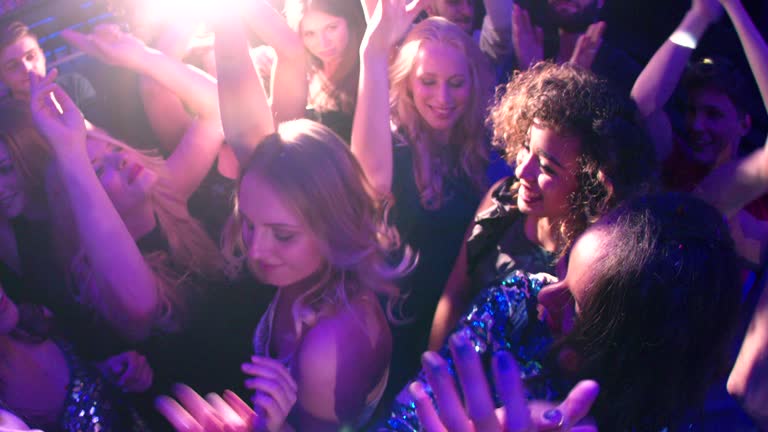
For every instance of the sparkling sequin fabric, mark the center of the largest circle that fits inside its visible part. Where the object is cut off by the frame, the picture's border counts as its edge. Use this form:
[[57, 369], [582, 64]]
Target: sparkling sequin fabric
[[93, 404], [502, 317]]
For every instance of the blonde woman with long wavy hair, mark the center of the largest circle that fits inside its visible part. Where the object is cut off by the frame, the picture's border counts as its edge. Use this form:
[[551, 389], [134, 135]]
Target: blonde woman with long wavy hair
[[421, 142], [136, 246], [306, 222]]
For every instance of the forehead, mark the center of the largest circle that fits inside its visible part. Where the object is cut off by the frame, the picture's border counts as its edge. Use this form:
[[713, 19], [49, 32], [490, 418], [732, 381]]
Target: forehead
[[261, 203], [712, 98], [587, 251], [440, 58], [97, 147], [565, 149], [18, 48], [315, 20]]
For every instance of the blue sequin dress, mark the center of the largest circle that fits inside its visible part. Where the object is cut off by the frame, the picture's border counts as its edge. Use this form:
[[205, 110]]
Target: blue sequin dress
[[93, 404], [502, 317]]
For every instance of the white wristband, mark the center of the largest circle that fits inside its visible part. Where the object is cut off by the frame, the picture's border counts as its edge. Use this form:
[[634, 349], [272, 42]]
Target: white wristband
[[684, 39]]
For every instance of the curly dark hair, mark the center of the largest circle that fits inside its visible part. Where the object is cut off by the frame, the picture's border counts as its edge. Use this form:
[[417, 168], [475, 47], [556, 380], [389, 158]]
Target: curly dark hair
[[656, 325], [617, 157]]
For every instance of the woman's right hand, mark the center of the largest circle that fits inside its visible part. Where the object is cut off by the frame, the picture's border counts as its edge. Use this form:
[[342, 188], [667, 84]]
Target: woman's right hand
[[56, 117], [389, 22], [276, 390]]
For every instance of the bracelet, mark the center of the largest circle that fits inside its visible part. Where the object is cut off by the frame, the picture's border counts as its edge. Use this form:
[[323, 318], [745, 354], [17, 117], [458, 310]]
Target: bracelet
[[683, 39]]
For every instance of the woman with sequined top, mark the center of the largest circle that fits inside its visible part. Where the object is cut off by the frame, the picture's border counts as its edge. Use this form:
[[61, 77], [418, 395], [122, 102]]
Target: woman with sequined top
[[642, 310], [577, 150], [44, 382]]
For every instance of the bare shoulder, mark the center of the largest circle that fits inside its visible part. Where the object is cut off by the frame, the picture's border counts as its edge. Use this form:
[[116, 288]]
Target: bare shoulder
[[341, 360], [359, 328]]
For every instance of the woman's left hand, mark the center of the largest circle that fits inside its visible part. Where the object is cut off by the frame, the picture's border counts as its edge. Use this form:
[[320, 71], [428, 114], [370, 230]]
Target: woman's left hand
[[56, 117], [192, 413], [479, 413]]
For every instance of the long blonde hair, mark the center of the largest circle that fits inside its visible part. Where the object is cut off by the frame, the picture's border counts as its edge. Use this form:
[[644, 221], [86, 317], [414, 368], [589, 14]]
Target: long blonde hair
[[191, 253], [313, 170], [465, 154]]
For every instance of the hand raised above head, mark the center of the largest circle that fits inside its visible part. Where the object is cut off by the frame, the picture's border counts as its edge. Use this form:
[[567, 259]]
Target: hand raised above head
[[109, 44], [390, 20], [527, 39], [56, 117], [588, 45]]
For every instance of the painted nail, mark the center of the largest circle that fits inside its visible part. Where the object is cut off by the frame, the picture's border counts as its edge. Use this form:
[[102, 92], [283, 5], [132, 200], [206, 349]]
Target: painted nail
[[554, 416]]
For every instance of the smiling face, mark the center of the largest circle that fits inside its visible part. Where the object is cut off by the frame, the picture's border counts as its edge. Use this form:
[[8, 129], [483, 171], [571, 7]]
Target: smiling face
[[127, 181], [546, 168], [325, 36], [440, 84], [17, 60], [715, 127], [281, 250]]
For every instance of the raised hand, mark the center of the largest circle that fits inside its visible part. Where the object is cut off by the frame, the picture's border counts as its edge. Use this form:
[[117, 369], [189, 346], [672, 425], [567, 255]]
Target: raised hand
[[129, 370], [478, 412], [56, 117], [389, 22], [588, 45], [275, 389], [109, 44], [527, 39], [192, 413]]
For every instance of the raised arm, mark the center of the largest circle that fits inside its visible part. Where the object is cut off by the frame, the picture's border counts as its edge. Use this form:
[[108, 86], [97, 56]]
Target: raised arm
[[193, 157], [753, 44], [129, 295], [166, 112], [371, 140], [656, 83], [733, 185], [245, 113], [289, 87], [496, 32]]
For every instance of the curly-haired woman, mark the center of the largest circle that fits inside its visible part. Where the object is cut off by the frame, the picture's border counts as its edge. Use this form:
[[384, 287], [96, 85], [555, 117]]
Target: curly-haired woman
[[578, 151]]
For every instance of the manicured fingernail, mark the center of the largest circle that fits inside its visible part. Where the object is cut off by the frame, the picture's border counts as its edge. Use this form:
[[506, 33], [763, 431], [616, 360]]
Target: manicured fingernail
[[431, 360], [417, 390], [554, 416], [460, 343]]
